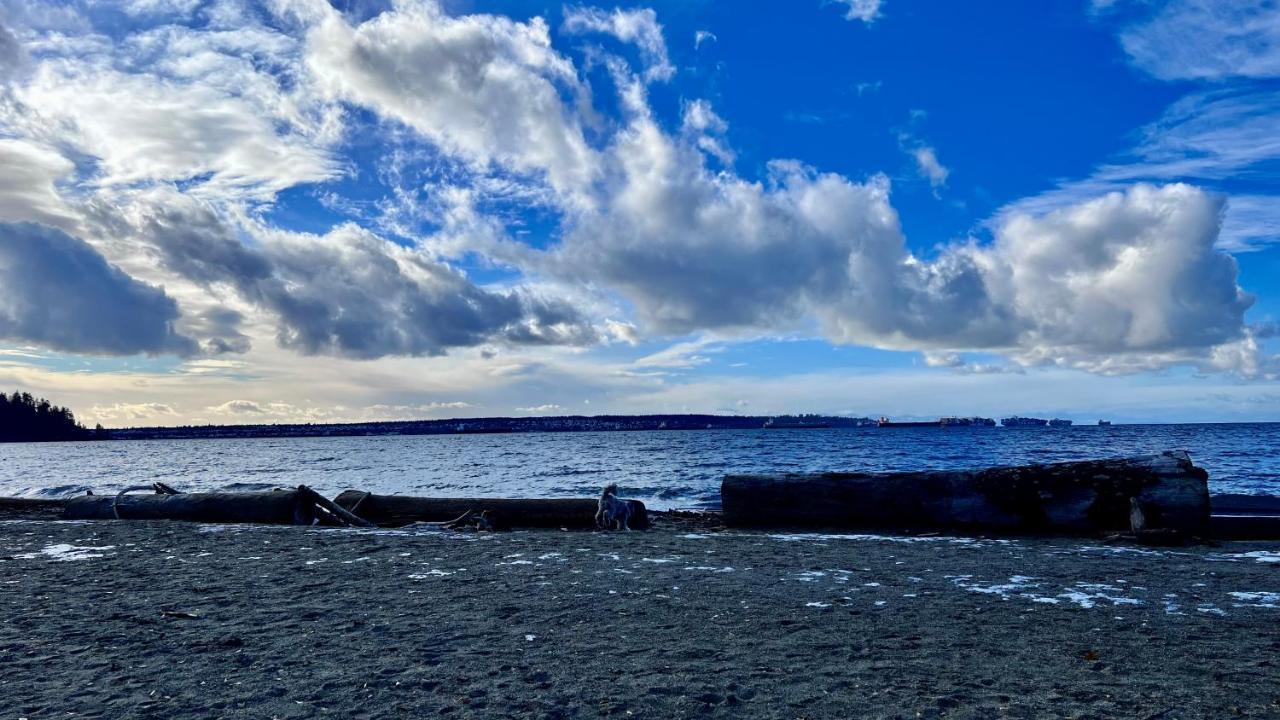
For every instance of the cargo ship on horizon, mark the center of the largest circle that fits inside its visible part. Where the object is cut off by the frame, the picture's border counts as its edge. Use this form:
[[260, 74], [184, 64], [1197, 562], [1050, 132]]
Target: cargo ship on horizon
[[1017, 421], [940, 422]]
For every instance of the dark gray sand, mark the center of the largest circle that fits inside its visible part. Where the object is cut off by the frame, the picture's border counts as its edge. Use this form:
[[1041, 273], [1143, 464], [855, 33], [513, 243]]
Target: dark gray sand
[[163, 620]]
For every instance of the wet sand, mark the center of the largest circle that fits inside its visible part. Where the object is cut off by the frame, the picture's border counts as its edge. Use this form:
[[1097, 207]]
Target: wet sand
[[169, 620]]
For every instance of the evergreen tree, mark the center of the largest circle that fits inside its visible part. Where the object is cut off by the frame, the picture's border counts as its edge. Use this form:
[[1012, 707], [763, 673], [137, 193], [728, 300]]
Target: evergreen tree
[[23, 418]]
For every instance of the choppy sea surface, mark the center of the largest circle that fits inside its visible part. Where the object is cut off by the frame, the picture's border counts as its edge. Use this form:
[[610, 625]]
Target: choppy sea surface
[[666, 469]]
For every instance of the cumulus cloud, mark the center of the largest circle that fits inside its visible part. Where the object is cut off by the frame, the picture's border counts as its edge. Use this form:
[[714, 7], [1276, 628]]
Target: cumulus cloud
[[1120, 283], [350, 292], [219, 330], [639, 26], [1208, 138], [677, 239], [863, 10], [238, 407], [1126, 282], [482, 87], [183, 137], [58, 292]]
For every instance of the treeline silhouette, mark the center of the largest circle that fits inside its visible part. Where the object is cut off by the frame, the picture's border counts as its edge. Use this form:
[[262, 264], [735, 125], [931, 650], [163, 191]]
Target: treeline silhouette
[[24, 418]]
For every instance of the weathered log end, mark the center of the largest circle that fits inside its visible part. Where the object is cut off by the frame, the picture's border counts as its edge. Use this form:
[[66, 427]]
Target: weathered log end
[[1077, 498]]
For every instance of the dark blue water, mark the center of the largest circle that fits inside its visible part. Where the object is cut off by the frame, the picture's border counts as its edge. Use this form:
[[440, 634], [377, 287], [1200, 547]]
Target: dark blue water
[[665, 469]]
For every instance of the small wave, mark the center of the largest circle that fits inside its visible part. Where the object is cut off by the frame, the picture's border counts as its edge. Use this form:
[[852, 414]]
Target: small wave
[[248, 486], [566, 472], [58, 491], [675, 492]]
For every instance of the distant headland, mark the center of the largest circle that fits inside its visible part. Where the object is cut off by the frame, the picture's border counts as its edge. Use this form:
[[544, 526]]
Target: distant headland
[[26, 418], [562, 423]]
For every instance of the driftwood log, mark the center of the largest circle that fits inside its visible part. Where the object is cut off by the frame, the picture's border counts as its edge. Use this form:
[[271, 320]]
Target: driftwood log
[[31, 508], [273, 507], [1245, 517], [1244, 527], [302, 506], [1235, 504], [398, 510], [1074, 498]]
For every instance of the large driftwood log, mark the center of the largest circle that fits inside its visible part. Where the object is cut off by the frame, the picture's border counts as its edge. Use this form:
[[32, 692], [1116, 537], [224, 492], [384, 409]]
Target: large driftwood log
[[31, 508], [1081, 498], [1236, 504], [1244, 527], [1245, 517], [397, 510], [274, 507]]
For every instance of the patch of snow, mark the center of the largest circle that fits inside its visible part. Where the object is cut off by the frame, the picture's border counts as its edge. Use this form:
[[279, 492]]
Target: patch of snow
[[62, 552], [1257, 599]]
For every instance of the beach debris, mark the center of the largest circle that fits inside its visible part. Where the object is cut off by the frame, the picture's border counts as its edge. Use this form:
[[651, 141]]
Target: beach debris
[[339, 513], [179, 614], [471, 520]]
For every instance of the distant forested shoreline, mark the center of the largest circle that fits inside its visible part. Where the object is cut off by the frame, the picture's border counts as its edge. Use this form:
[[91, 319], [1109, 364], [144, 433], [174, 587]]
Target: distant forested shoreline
[[468, 426], [25, 418]]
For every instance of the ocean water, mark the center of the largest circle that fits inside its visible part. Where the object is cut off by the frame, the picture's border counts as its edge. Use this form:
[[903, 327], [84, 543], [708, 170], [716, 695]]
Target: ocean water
[[664, 469]]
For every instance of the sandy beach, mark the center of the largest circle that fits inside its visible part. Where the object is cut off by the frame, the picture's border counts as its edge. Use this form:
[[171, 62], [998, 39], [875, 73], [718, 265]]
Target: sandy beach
[[170, 620]]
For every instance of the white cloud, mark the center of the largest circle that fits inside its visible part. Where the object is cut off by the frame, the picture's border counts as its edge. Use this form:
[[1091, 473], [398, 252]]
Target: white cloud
[[702, 36], [958, 363], [482, 87], [132, 411], [238, 407], [1207, 39], [12, 55], [928, 166], [174, 121], [540, 409], [1208, 138], [682, 355], [1124, 282], [282, 411], [866, 11], [639, 26], [1119, 283], [28, 183], [183, 137], [1210, 135], [1250, 222], [350, 292]]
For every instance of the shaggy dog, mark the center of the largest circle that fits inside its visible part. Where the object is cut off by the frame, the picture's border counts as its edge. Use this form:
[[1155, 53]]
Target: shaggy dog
[[613, 511]]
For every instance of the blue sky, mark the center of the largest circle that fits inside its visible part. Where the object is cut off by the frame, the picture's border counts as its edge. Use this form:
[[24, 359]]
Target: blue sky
[[227, 211]]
